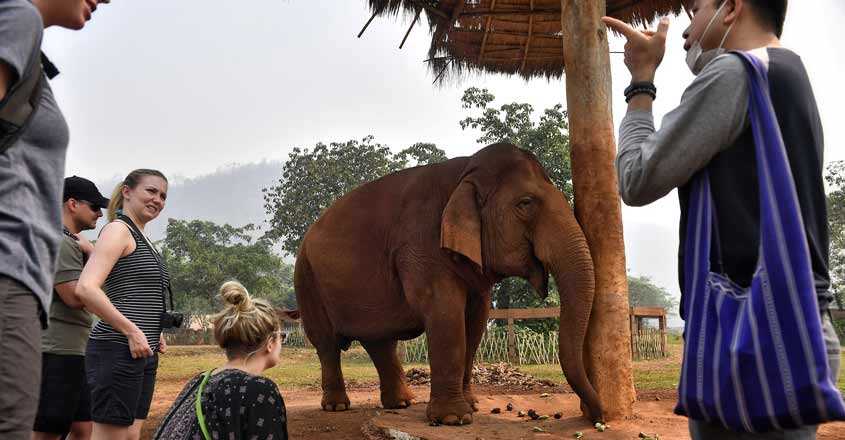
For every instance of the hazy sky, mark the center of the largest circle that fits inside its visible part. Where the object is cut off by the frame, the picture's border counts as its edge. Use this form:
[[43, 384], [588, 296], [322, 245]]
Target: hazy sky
[[189, 86]]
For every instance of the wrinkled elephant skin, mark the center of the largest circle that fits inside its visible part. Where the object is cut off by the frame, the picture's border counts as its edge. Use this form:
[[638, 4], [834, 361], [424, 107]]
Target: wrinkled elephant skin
[[419, 251]]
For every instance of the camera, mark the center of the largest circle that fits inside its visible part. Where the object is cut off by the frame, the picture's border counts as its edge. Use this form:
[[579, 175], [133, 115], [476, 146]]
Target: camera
[[171, 319]]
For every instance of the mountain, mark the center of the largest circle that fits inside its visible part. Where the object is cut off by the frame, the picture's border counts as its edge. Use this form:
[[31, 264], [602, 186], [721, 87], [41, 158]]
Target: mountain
[[230, 195]]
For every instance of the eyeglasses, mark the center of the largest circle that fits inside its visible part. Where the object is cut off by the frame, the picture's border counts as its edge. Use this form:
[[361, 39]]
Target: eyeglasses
[[281, 336]]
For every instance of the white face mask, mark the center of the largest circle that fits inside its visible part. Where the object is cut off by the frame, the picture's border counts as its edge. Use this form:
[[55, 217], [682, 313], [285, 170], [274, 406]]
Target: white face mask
[[697, 59]]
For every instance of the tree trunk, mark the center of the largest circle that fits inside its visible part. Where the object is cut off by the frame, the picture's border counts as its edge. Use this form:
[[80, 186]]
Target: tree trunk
[[597, 204]]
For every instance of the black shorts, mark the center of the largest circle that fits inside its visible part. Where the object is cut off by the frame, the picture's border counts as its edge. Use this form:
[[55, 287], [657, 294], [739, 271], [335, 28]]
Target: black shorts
[[121, 387], [64, 397]]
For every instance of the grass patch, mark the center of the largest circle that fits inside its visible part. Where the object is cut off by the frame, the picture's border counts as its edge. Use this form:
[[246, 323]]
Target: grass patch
[[300, 367]]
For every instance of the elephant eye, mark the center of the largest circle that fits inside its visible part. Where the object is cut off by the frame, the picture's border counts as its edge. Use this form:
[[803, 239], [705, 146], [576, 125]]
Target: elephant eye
[[525, 202]]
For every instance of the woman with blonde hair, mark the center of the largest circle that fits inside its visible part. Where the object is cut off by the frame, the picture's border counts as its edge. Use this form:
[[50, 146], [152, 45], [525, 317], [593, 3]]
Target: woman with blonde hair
[[234, 401], [125, 283]]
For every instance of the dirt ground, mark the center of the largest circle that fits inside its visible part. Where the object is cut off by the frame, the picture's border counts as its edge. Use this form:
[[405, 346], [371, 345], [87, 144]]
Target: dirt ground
[[366, 420]]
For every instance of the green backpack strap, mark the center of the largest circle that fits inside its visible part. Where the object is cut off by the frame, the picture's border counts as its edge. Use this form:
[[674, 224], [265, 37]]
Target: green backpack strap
[[198, 406]]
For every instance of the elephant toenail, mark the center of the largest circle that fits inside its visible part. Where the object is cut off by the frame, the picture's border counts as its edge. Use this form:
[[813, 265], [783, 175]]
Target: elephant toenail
[[466, 419], [450, 420], [340, 407]]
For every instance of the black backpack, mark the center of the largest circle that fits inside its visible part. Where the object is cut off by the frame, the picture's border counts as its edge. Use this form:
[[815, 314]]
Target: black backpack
[[20, 104]]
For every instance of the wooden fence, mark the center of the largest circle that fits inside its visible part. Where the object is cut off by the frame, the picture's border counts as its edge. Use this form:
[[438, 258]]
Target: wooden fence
[[510, 344]]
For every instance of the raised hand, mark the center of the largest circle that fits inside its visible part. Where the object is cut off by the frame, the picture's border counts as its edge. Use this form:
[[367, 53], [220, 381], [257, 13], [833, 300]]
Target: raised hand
[[644, 50]]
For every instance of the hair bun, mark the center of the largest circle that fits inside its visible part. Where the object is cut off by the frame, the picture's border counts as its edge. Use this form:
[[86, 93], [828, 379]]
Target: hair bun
[[235, 293]]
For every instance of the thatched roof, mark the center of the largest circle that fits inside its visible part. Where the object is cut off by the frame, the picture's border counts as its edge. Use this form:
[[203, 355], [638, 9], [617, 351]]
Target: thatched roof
[[506, 36]]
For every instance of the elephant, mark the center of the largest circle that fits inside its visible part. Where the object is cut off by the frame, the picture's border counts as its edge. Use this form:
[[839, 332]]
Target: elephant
[[419, 251]]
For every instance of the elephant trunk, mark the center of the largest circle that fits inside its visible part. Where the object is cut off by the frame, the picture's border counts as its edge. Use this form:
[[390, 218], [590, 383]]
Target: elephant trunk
[[567, 257]]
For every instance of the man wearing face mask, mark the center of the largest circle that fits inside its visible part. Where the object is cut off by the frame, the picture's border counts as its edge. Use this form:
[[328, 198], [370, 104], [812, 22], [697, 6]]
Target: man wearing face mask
[[710, 129]]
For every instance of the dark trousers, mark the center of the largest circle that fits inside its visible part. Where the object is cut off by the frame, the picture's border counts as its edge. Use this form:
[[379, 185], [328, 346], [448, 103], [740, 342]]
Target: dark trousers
[[20, 359]]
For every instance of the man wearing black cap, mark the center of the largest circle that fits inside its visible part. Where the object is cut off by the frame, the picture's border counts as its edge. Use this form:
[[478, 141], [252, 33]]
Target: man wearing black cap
[[64, 403]]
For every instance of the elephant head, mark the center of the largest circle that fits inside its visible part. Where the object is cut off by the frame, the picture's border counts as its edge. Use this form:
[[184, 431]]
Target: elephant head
[[508, 219]]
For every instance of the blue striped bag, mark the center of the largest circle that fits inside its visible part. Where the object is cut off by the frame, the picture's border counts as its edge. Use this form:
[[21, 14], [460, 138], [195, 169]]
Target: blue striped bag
[[754, 358]]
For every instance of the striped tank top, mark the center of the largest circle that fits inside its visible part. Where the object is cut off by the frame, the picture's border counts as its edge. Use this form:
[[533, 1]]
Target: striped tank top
[[135, 287]]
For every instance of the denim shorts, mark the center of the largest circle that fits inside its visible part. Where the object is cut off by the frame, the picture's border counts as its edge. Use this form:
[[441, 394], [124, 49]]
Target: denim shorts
[[121, 387], [65, 397]]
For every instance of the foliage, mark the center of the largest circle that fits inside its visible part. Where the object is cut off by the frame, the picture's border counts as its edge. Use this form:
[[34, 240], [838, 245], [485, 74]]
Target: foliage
[[312, 179], [642, 292], [836, 218], [548, 138], [201, 255]]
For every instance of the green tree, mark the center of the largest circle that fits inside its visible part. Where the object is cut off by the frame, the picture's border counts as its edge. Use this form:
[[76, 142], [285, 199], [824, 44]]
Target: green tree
[[201, 255], [312, 179], [643, 292], [548, 139], [836, 218]]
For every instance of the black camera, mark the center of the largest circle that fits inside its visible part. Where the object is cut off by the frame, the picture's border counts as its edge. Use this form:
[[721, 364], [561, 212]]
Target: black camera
[[171, 319]]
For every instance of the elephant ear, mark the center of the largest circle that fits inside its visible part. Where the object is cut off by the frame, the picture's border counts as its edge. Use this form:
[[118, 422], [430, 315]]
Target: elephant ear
[[460, 226]]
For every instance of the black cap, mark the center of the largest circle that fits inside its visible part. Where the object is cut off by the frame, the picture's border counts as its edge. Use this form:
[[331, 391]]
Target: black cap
[[83, 189]]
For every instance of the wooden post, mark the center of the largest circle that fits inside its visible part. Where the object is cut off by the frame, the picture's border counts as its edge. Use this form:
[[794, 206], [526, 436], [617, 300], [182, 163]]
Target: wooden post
[[511, 341], [597, 204], [402, 351], [663, 335], [631, 319]]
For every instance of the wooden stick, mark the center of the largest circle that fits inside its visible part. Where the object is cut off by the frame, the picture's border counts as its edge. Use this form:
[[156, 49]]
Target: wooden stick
[[489, 12], [442, 70], [528, 41], [368, 23], [486, 33], [416, 17]]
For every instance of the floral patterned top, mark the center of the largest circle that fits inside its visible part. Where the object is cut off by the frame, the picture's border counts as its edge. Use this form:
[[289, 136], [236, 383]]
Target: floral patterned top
[[236, 406]]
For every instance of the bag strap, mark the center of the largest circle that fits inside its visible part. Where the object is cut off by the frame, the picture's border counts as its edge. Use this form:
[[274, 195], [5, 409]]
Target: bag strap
[[164, 286], [198, 406], [18, 107]]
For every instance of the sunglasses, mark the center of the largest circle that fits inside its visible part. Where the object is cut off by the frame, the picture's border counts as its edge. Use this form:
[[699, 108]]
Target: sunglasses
[[90, 205]]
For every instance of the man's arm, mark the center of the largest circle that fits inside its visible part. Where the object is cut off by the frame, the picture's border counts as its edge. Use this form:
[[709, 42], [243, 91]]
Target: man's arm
[[68, 269], [711, 116], [67, 294]]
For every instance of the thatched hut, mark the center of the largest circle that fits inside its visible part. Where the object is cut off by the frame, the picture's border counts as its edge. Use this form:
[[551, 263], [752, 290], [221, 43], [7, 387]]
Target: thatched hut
[[542, 38], [521, 37]]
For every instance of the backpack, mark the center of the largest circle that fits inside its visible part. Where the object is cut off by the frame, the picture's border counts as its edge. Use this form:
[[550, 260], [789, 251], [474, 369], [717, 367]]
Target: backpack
[[20, 104]]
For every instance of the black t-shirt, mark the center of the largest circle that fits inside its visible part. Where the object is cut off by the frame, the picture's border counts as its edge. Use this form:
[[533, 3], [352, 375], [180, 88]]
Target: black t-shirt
[[236, 405]]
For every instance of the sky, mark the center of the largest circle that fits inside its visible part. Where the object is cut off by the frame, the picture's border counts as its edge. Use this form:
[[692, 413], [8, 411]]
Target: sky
[[193, 86]]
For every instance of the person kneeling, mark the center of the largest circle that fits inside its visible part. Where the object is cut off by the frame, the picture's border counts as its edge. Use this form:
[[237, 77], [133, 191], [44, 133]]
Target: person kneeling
[[235, 401]]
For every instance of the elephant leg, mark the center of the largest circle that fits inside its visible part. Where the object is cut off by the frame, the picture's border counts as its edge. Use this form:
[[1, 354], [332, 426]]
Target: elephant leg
[[334, 389], [446, 335], [478, 309], [394, 391], [321, 333]]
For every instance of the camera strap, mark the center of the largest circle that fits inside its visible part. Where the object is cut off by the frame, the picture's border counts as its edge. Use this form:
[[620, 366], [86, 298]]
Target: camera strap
[[165, 285]]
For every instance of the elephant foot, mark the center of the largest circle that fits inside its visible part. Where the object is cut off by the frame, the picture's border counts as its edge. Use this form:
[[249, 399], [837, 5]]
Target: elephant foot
[[449, 412], [397, 398], [471, 399], [335, 401]]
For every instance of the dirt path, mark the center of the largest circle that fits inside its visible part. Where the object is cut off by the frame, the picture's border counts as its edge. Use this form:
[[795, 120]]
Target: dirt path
[[307, 421]]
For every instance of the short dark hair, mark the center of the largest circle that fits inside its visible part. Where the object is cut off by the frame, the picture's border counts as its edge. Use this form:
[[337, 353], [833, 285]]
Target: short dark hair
[[770, 12]]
